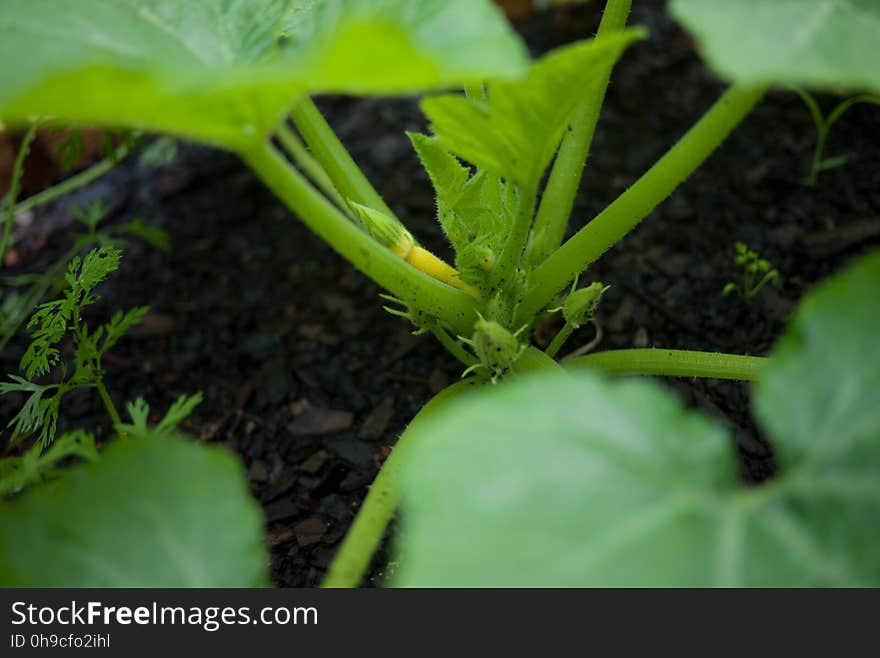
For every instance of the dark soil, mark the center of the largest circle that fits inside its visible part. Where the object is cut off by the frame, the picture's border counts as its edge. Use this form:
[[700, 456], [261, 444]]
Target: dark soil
[[311, 381]]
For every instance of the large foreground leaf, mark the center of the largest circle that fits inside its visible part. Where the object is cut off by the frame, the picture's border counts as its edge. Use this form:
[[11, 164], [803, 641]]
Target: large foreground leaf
[[818, 43], [557, 480], [225, 70], [151, 512]]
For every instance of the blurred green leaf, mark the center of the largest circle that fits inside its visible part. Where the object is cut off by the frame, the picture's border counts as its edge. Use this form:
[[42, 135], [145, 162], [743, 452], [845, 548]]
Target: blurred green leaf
[[225, 71], [554, 480], [156, 511], [815, 43], [35, 465]]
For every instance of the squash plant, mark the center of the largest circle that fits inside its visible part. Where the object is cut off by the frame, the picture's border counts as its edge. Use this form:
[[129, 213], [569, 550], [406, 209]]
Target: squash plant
[[231, 74]]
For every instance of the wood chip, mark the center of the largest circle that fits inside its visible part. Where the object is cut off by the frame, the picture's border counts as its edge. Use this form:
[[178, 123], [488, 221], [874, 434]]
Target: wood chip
[[377, 420], [311, 526], [314, 463], [283, 509], [318, 421]]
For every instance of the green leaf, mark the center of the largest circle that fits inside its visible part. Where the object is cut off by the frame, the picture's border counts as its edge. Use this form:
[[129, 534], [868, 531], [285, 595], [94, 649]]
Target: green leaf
[[152, 234], [139, 411], [475, 211], [225, 71], [815, 43], [120, 323], [819, 394], [158, 511], [32, 413], [468, 207], [559, 481], [52, 320], [179, 410], [832, 163], [91, 215], [516, 131], [16, 473], [556, 481]]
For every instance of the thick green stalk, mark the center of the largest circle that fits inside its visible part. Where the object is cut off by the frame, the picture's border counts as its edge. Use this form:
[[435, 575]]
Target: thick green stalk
[[334, 157], [365, 534], [638, 201], [454, 307], [307, 162], [565, 177], [672, 363]]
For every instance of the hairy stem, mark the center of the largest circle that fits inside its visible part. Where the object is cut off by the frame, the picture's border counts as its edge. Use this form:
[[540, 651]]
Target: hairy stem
[[638, 201], [365, 534], [565, 177], [453, 346], [417, 289], [672, 363], [334, 158], [559, 340]]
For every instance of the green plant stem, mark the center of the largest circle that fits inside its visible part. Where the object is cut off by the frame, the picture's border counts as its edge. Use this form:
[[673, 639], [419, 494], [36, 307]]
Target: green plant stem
[[334, 158], [108, 403], [559, 340], [453, 346], [456, 308], [365, 534], [15, 185], [672, 363], [821, 134], [638, 201], [565, 177], [307, 162], [76, 181], [763, 282]]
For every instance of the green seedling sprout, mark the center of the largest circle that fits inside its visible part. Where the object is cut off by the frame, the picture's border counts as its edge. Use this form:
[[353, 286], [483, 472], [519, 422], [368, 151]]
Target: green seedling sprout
[[496, 348], [823, 124], [757, 272], [53, 322]]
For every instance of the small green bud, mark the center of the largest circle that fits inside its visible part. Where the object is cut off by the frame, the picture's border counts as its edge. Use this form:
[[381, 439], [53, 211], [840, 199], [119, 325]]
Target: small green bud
[[386, 230], [581, 304], [495, 347], [484, 258]]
